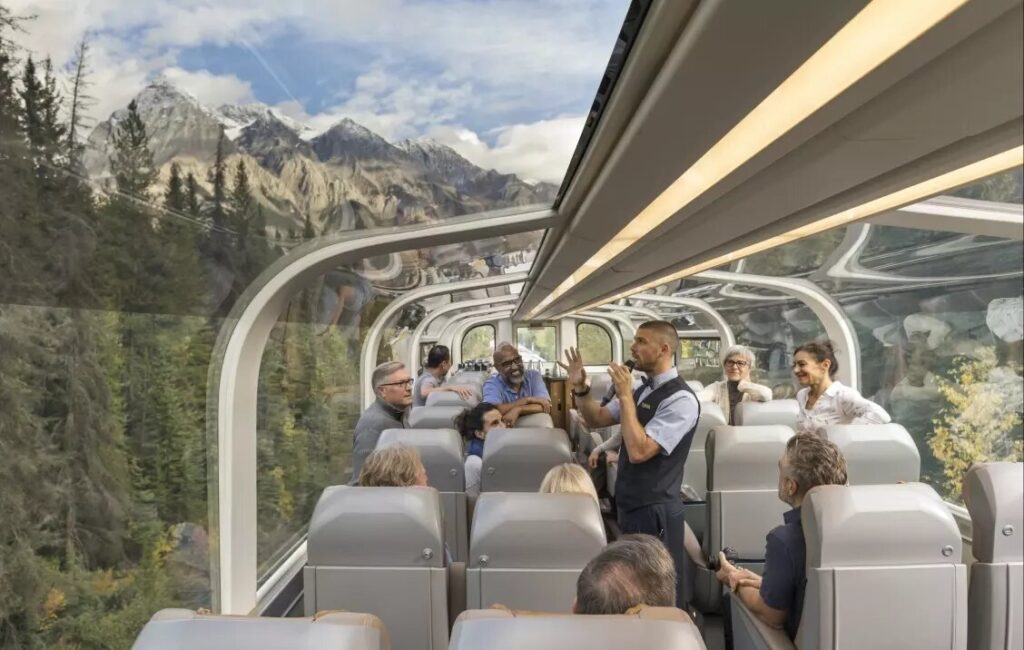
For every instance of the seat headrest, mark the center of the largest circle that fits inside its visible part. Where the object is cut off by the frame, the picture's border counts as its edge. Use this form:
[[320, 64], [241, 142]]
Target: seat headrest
[[600, 384], [376, 526], [516, 460], [877, 454], [776, 411], [171, 629], [651, 627], [873, 525], [994, 494], [694, 385], [535, 421], [745, 458], [538, 531], [448, 398], [440, 450], [711, 415], [434, 417]]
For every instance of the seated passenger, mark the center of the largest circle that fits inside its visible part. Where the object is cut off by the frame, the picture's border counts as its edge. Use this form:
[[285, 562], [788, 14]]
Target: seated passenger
[[515, 391], [777, 597], [737, 362], [635, 570], [439, 362], [474, 424], [392, 386], [396, 466], [568, 478], [824, 401]]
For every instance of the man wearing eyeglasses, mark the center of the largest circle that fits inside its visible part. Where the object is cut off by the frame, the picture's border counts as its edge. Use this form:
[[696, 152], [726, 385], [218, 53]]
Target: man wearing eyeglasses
[[393, 387], [515, 391]]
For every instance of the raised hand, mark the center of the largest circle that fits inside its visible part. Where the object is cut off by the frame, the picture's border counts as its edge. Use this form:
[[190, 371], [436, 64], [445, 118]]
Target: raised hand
[[623, 380], [574, 368]]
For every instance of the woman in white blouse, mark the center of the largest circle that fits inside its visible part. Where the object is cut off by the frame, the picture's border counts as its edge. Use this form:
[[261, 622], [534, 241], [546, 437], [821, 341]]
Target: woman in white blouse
[[737, 362], [824, 401]]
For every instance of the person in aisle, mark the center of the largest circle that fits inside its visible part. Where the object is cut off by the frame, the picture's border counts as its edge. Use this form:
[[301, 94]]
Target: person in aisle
[[392, 386], [823, 400], [515, 391], [737, 362], [439, 362], [474, 424], [658, 418]]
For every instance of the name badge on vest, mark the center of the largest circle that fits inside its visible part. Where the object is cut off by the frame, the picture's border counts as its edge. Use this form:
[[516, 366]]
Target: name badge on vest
[[645, 405]]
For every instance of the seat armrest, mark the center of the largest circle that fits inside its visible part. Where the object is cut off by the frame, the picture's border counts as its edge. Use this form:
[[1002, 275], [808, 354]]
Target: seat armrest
[[751, 633], [456, 591]]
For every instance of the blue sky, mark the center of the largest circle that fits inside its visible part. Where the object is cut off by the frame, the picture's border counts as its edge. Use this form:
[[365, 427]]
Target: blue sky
[[506, 83]]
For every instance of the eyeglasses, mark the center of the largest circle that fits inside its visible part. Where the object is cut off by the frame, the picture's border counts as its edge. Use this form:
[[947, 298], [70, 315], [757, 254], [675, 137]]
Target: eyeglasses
[[405, 383], [735, 363], [508, 363]]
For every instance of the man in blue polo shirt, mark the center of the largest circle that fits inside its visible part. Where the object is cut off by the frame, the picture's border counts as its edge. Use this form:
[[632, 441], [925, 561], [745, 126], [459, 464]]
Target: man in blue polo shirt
[[777, 597], [515, 391]]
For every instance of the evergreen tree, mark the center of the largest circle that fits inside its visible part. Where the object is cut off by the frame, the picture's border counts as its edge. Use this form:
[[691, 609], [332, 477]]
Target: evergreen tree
[[218, 214], [243, 206], [174, 196], [192, 195], [79, 102], [132, 162]]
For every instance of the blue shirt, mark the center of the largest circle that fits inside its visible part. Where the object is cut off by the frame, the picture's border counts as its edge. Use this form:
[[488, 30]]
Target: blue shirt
[[496, 391], [785, 577], [676, 414], [476, 447]]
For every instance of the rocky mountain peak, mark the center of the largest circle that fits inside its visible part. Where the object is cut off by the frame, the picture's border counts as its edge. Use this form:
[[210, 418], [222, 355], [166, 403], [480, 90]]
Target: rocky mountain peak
[[349, 140]]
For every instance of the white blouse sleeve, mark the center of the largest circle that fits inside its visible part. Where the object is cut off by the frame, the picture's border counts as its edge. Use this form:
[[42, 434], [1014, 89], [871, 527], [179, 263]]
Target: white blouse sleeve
[[860, 410]]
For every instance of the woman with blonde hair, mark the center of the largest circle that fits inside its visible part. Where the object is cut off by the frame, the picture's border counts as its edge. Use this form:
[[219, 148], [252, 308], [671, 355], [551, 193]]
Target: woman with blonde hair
[[397, 466], [568, 478]]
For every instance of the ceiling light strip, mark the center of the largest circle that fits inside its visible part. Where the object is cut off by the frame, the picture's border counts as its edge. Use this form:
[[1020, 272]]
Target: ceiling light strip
[[1001, 162], [879, 31]]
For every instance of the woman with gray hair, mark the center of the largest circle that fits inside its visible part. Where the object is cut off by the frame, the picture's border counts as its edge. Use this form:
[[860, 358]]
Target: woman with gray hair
[[737, 362]]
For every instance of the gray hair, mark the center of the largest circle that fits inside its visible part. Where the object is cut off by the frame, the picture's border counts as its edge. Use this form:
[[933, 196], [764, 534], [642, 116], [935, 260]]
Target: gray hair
[[504, 345], [739, 351], [634, 570], [383, 371]]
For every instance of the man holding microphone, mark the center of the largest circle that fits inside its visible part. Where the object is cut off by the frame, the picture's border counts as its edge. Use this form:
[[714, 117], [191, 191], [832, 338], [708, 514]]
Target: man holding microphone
[[658, 418]]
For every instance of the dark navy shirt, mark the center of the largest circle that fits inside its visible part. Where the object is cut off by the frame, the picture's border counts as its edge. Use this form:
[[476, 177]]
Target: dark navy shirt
[[476, 447], [785, 576]]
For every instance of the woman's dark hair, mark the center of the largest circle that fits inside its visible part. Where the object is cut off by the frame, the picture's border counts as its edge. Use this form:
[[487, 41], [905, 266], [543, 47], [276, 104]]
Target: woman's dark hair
[[472, 419], [821, 350], [438, 355]]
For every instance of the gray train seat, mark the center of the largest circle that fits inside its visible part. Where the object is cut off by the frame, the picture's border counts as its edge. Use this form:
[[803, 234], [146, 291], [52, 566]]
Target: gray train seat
[[381, 550], [516, 460], [448, 398], [660, 628], [776, 411], [535, 421], [527, 550], [695, 471], [877, 453], [434, 417], [441, 452], [695, 386], [175, 629], [884, 570], [994, 494], [743, 502]]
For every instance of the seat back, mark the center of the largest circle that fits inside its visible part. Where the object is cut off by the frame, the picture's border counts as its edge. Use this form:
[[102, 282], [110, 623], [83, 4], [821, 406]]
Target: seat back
[[994, 493], [516, 460], [535, 421], [441, 452], [651, 627], [172, 629], [884, 570], [695, 471], [743, 488], [448, 398], [381, 550], [434, 417], [527, 549], [695, 386], [877, 453], [776, 411], [600, 384]]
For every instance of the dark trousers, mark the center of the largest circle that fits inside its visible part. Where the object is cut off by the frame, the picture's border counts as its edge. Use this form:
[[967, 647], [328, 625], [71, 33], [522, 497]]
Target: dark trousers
[[664, 521]]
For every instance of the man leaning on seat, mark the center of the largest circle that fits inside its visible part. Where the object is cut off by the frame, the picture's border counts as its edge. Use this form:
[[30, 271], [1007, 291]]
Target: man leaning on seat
[[515, 391]]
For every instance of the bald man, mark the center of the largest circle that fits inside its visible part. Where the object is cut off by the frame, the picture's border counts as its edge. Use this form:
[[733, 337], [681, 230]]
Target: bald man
[[658, 418]]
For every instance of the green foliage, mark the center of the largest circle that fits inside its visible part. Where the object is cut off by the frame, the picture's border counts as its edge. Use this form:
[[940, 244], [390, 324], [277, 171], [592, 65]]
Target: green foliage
[[595, 345], [132, 163], [478, 343]]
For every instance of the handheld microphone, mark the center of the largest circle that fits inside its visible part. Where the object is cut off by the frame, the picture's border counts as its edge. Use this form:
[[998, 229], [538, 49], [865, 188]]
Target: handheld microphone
[[611, 389]]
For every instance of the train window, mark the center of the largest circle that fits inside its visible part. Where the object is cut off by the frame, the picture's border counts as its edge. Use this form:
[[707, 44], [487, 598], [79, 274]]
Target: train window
[[538, 346], [478, 344], [594, 343], [699, 359]]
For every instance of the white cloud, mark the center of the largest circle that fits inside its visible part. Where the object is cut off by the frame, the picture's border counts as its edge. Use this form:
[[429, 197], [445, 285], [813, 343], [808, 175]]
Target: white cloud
[[210, 89]]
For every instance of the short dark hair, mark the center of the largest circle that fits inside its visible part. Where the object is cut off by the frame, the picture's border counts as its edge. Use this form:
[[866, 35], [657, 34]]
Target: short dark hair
[[635, 570], [471, 420], [822, 351], [438, 355], [664, 329]]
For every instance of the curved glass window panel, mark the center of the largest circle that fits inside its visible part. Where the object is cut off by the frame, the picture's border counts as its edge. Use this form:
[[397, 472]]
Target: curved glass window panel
[[796, 258], [538, 346], [595, 344], [478, 344], [1007, 187], [699, 359]]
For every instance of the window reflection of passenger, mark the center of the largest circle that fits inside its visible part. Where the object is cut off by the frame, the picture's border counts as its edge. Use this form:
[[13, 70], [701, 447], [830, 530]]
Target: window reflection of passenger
[[344, 296], [824, 401]]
